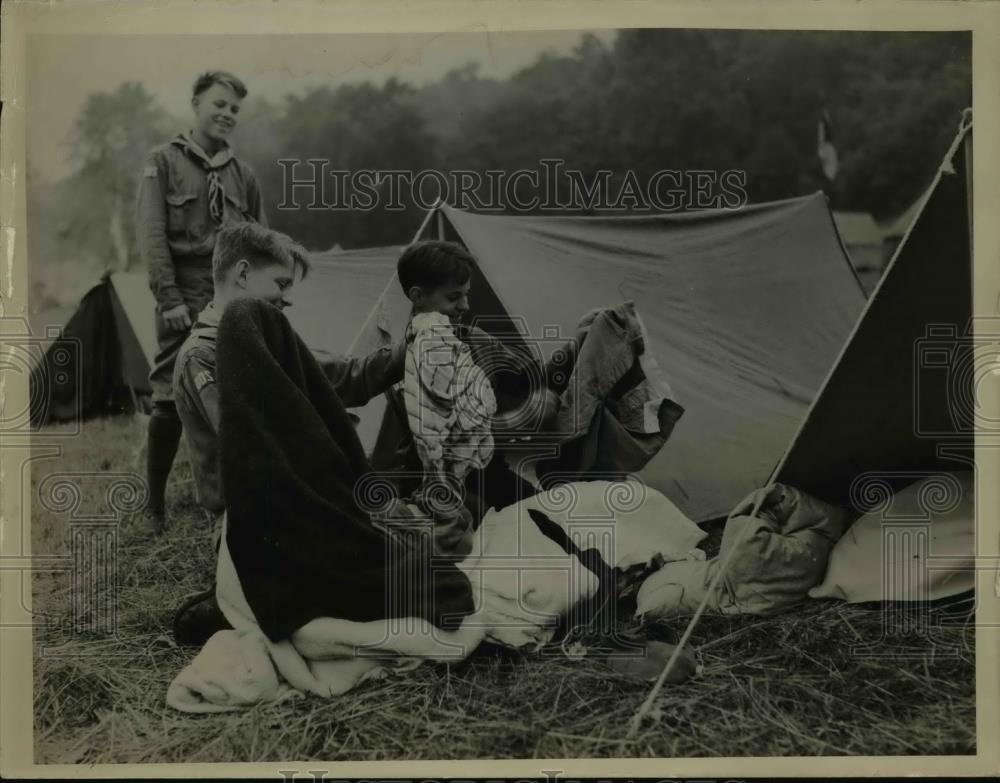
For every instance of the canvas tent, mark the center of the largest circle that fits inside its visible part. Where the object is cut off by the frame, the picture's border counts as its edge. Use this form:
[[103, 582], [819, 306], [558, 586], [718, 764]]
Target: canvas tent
[[900, 397], [338, 295], [113, 333], [103, 350], [746, 311]]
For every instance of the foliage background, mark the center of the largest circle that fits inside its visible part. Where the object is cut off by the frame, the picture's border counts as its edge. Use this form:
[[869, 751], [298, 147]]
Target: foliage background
[[641, 101]]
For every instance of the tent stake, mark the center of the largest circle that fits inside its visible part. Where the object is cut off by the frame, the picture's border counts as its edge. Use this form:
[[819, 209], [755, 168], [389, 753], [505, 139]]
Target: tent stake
[[647, 704]]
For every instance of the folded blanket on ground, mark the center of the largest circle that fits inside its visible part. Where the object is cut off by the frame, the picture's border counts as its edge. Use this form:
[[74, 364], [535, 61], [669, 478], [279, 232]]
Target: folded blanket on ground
[[524, 584], [238, 668], [774, 558], [301, 541]]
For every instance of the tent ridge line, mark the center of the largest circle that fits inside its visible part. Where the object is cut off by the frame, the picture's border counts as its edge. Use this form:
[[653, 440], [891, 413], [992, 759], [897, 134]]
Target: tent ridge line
[[445, 210], [392, 280], [615, 215]]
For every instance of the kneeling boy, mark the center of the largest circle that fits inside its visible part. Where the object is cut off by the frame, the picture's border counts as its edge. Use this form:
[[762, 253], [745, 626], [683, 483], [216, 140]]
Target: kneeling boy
[[256, 262], [249, 261]]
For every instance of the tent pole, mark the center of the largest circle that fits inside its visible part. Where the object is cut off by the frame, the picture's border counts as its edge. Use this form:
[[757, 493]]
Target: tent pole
[[647, 704]]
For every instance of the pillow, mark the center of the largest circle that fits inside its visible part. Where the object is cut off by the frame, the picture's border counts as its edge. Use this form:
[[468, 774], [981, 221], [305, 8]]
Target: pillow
[[889, 553]]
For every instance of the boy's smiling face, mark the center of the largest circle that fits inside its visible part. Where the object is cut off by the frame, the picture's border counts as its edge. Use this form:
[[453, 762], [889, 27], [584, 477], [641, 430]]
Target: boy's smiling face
[[270, 282], [451, 300], [215, 111]]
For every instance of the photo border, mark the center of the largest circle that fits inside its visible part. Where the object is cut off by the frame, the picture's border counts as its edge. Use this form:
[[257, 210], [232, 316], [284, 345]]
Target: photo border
[[23, 19]]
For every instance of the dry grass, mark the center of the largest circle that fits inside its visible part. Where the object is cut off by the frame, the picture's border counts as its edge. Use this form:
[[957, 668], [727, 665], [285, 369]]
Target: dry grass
[[789, 685]]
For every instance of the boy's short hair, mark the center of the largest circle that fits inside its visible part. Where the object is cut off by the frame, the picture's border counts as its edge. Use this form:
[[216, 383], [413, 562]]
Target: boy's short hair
[[233, 82], [260, 246], [431, 264]]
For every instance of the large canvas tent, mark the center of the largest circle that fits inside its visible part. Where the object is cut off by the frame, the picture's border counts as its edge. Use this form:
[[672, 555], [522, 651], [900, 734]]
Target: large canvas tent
[[110, 340], [746, 311], [900, 399], [338, 294]]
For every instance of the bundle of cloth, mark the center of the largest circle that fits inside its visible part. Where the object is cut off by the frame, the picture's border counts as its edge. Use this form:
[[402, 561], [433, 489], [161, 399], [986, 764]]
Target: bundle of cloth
[[774, 558], [915, 544], [323, 592], [607, 406], [549, 555], [537, 569]]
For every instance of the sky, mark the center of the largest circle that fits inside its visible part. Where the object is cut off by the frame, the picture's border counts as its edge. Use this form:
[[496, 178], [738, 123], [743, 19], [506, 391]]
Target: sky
[[64, 69]]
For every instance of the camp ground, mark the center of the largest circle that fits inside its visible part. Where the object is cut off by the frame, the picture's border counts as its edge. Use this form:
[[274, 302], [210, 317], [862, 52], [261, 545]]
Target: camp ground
[[781, 331], [112, 331], [746, 311]]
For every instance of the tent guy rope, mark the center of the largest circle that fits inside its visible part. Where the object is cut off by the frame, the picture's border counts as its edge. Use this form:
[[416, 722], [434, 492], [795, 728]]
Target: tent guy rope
[[648, 702]]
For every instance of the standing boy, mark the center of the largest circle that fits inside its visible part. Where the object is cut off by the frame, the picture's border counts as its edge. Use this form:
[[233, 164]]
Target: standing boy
[[188, 189]]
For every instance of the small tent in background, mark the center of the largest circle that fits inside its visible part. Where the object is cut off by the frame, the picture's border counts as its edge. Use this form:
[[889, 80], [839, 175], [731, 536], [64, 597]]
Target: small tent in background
[[863, 240], [746, 311], [900, 397], [101, 362]]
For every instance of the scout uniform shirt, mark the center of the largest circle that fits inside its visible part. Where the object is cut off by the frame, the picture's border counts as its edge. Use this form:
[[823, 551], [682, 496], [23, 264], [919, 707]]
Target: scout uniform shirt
[[356, 381], [185, 195]]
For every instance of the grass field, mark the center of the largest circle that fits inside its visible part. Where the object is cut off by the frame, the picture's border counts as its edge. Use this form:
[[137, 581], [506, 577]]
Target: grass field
[[782, 686]]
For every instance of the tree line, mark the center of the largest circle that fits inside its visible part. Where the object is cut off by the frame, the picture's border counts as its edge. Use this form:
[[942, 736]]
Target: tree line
[[650, 100]]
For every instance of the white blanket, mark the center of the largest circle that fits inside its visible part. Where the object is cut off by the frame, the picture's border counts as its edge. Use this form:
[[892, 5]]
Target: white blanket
[[522, 581]]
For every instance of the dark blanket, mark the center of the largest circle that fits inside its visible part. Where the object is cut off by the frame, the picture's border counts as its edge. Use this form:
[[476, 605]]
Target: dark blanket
[[290, 460]]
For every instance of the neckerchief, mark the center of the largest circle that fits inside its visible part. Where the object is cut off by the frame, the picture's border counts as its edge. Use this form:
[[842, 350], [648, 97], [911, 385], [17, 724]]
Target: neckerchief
[[212, 164]]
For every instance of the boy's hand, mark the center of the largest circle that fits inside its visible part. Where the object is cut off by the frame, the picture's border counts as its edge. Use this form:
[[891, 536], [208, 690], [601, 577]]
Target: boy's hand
[[177, 318]]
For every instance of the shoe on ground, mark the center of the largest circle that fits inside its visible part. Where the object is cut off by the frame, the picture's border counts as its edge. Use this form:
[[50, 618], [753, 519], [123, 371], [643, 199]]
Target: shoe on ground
[[198, 618]]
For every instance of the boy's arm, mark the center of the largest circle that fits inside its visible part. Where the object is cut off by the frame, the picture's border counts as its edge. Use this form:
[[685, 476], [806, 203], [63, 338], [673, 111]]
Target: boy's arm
[[197, 376], [151, 233], [356, 381]]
